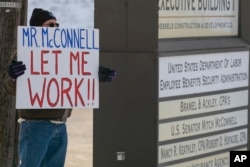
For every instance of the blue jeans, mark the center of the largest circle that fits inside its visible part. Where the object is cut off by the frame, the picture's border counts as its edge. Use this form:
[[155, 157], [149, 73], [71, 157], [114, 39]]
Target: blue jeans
[[42, 144]]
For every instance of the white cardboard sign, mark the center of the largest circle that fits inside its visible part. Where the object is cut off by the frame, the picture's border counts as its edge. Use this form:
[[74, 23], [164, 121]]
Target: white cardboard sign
[[62, 68]]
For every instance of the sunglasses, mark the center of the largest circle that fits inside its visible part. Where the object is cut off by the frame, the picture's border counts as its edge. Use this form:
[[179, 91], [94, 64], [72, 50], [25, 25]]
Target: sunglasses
[[53, 24]]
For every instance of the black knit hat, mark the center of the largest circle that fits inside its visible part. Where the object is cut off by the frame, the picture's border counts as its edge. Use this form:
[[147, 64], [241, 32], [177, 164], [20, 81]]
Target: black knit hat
[[39, 16]]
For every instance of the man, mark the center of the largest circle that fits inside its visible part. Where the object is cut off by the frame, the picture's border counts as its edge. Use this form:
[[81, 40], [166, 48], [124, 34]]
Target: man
[[43, 133]]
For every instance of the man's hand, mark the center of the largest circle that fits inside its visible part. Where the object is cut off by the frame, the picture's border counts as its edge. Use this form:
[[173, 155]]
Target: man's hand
[[106, 74], [16, 69]]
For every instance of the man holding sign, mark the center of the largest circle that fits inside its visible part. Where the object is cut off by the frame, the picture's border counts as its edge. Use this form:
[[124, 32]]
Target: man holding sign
[[44, 96]]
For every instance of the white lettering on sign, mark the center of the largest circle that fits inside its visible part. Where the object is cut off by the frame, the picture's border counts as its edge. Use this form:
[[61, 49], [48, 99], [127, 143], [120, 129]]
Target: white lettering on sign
[[10, 5], [240, 158], [182, 75]]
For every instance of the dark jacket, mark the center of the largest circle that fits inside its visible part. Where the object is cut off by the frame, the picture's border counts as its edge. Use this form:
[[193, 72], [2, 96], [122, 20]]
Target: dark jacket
[[36, 114]]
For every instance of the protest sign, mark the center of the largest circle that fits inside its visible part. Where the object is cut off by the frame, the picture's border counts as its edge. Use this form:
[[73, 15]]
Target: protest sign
[[62, 68]]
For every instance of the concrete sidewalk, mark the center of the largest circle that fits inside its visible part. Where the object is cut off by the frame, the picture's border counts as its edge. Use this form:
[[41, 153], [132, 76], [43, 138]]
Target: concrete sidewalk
[[80, 136]]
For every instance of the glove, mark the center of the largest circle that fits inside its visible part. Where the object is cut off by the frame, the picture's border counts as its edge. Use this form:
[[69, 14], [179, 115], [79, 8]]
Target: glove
[[16, 69], [106, 74]]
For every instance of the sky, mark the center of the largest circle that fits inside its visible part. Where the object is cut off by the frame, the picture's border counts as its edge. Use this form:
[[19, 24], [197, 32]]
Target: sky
[[69, 13]]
